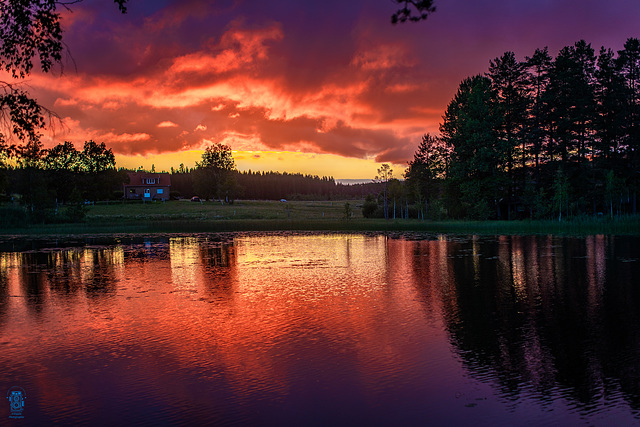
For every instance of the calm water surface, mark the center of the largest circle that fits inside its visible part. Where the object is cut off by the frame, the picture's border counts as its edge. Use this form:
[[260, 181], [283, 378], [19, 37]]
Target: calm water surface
[[322, 329]]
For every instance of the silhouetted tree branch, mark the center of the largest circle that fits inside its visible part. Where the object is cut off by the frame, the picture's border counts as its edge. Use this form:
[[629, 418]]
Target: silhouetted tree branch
[[30, 31], [412, 10]]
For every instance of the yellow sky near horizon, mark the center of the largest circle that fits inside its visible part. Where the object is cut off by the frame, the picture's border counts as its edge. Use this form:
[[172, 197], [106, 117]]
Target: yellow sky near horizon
[[338, 167]]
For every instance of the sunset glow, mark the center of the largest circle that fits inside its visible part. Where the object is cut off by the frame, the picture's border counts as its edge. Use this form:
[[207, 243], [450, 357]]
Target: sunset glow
[[329, 90], [336, 166]]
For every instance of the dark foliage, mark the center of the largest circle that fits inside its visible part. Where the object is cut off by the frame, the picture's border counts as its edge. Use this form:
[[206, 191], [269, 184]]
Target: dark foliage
[[538, 138], [53, 185], [412, 10], [370, 208], [30, 33]]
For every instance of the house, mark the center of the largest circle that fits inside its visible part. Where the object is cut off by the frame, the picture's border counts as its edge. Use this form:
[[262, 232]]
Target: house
[[147, 186]]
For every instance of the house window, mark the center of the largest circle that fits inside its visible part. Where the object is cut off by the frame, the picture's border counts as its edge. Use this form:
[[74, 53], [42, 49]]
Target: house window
[[159, 191], [147, 192], [151, 180]]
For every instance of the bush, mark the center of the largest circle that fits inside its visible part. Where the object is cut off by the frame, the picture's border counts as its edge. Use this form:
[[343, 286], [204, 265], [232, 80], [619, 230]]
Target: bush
[[370, 207], [480, 211], [12, 216], [437, 210], [73, 213]]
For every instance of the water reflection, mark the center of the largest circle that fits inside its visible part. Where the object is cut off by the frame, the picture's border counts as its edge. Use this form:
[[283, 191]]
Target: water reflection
[[292, 327], [541, 314]]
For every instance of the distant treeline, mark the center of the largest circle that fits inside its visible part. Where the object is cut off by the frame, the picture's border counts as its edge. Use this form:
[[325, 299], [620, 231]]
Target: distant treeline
[[276, 186], [537, 138]]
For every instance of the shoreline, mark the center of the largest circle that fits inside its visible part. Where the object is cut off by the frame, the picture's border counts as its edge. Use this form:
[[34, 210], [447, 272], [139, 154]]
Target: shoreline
[[316, 216], [624, 226]]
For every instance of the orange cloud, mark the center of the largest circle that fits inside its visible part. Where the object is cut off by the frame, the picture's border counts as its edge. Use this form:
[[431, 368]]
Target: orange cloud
[[167, 124], [237, 49]]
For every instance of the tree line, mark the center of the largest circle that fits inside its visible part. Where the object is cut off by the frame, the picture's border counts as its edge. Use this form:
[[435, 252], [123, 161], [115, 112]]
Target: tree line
[[216, 177], [53, 184], [270, 185], [538, 138]]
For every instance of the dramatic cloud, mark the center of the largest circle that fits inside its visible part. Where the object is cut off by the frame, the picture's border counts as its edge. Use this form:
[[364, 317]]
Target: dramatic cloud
[[328, 77]]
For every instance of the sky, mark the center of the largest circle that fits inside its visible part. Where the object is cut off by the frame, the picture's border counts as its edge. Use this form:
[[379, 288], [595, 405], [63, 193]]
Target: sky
[[328, 88]]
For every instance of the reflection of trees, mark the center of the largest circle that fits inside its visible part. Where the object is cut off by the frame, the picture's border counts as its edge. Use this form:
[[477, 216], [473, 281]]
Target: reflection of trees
[[4, 287], [64, 272], [99, 280], [219, 265], [538, 313], [432, 272], [91, 270], [64, 275], [207, 264], [33, 281]]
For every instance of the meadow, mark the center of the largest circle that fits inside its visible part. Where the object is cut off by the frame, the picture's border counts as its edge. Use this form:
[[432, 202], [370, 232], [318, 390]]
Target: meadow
[[185, 216]]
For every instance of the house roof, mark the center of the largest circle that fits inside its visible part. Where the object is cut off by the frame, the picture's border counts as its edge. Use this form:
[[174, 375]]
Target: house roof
[[161, 179]]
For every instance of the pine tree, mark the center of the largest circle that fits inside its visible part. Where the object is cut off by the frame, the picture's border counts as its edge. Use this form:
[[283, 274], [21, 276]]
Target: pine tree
[[629, 63], [478, 158], [539, 66], [427, 170]]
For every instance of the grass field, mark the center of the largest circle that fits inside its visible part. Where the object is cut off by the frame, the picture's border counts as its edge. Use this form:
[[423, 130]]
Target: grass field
[[193, 217], [240, 210]]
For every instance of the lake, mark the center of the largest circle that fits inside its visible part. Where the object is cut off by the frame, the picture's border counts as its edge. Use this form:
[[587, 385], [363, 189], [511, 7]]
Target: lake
[[320, 329]]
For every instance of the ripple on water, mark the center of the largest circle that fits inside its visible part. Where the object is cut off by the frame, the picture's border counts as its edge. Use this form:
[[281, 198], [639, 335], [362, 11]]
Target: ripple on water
[[242, 328]]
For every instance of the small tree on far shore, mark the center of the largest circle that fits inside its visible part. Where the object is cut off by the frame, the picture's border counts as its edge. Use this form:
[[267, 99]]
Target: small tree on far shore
[[213, 176], [348, 212], [385, 173]]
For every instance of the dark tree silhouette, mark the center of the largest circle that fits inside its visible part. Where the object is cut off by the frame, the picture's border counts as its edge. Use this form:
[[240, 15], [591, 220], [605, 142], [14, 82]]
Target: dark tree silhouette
[[412, 10], [213, 177], [30, 32], [427, 170], [538, 67], [478, 158], [543, 137]]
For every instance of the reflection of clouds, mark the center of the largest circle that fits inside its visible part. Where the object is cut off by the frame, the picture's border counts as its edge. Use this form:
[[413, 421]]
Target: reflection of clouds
[[299, 294], [518, 268], [184, 262], [327, 262]]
